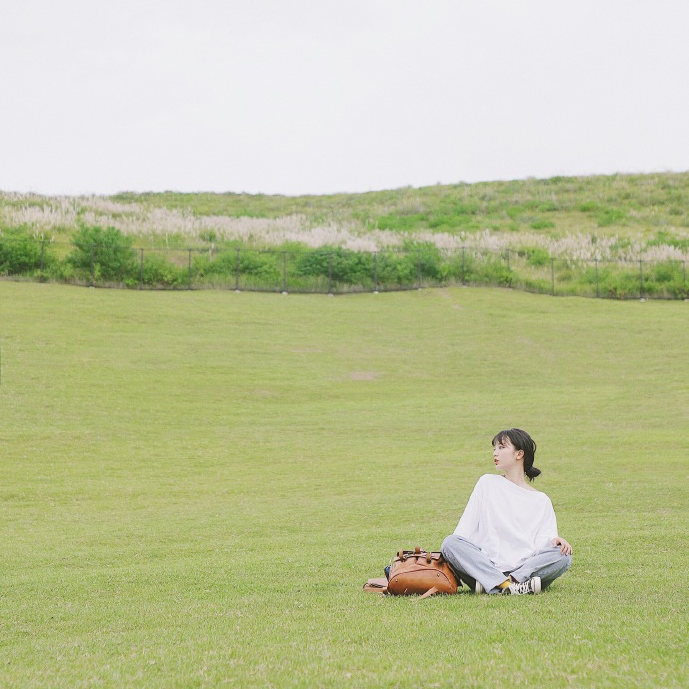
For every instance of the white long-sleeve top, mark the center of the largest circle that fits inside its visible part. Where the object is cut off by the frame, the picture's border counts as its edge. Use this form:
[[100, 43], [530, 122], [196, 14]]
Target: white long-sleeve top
[[507, 522]]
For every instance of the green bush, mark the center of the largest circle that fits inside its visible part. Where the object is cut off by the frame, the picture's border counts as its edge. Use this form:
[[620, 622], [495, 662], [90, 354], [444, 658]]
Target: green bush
[[106, 253], [347, 266], [260, 269], [159, 272], [548, 207], [396, 270], [588, 207], [616, 281], [542, 225], [536, 256], [487, 270], [401, 221], [316, 263], [610, 216], [222, 264], [619, 284], [663, 238], [264, 265], [61, 271], [19, 254], [431, 262], [665, 279]]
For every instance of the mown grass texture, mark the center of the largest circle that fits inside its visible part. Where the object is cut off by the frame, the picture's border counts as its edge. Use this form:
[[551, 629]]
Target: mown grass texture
[[194, 486]]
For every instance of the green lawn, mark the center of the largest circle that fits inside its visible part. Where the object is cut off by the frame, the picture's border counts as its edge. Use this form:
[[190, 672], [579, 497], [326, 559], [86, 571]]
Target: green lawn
[[194, 486]]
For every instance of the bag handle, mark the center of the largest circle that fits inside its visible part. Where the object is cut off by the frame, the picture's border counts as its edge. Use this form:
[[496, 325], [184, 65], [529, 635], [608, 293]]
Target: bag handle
[[417, 552]]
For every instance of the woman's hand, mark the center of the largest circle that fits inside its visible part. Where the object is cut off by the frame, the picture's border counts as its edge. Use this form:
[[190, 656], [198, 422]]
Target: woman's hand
[[565, 547]]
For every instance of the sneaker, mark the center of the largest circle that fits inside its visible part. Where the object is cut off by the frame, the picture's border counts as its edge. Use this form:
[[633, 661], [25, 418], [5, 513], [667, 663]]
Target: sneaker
[[530, 586], [478, 588]]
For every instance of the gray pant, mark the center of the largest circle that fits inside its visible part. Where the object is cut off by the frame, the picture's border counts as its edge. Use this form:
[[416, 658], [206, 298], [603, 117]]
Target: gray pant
[[471, 564]]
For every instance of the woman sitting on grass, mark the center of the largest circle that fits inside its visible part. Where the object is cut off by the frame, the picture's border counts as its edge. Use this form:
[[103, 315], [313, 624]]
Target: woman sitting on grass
[[506, 540]]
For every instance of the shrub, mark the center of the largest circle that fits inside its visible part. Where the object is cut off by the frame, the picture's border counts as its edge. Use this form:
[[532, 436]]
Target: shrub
[[665, 279], [431, 262], [663, 238], [426, 259], [588, 207], [535, 256], [442, 221], [223, 264], [402, 222], [610, 216], [62, 271], [348, 266], [514, 212], [619, 284], [542, 225], [159, 272], [399, 270], [259, 264], [107, 253], [315, 263], [487, 271], [548, 207], [19, 254]]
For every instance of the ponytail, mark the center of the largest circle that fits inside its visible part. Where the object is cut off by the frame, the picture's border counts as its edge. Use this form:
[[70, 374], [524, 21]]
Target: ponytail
[[532, 473]]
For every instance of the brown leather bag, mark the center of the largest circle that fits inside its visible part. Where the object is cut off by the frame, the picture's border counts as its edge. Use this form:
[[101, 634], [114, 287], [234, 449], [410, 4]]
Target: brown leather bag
[[420, 572]]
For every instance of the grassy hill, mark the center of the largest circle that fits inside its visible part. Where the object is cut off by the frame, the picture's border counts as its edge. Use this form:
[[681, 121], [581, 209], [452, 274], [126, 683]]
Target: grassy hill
[[616, 215], [621, 236], [624, 202], [194, 486]]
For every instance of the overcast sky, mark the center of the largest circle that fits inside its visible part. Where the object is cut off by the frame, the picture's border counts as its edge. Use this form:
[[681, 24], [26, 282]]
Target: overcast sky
[[322, 96]]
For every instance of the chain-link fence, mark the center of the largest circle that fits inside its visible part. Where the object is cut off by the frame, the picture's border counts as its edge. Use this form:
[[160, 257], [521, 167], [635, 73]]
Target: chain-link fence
[[336, 270]]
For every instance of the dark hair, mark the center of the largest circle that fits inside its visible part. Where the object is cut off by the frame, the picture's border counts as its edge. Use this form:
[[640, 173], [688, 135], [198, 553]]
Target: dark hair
[[524, 442]]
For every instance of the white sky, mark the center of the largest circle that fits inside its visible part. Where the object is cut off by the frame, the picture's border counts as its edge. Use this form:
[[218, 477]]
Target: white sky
[[321, 96]]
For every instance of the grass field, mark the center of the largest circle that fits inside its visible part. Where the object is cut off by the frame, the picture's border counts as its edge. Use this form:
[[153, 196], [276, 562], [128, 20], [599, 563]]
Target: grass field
[[194, 486]]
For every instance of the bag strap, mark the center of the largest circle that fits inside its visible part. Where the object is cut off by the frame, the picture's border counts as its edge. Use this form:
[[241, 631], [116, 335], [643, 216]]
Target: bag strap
[[429, 593]]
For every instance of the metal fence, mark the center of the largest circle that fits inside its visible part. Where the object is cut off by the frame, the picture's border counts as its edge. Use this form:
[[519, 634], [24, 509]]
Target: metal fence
[[336, 270]]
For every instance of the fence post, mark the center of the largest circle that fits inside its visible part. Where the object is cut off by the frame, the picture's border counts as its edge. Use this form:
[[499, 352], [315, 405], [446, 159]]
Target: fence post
[[189, 269], [508, 260], [375, 272], [236, 273], [284, 272], [684, 273], [42, 255], [552, 273], [464, 275], [93, 250], [330, 272], [141, 270], [597, 278], [418, 265], [641, 280]]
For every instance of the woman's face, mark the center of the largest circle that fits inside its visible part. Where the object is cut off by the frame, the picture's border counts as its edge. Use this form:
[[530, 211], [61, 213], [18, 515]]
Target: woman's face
[[505, 455]]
